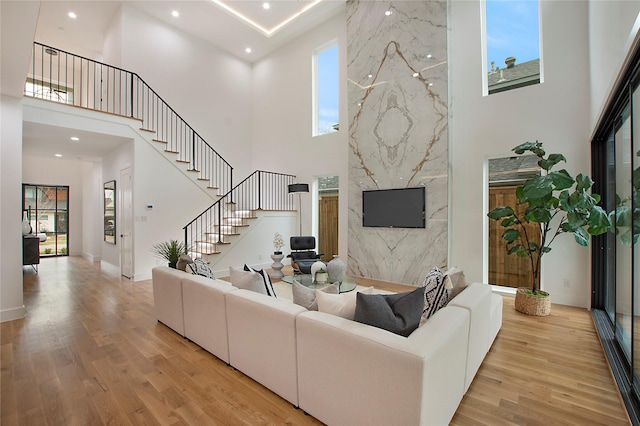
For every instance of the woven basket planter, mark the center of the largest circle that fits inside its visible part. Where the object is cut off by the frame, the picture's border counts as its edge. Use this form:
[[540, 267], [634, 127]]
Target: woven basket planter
[[532, 305]]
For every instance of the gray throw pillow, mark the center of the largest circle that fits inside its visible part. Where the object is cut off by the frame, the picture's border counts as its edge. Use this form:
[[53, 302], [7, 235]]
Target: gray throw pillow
[[306, 297], [398, 313], [458, 281], [200, 267], [247, 280]]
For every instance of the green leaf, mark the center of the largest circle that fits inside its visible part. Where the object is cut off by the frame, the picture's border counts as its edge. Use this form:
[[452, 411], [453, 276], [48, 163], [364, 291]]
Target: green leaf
[[520, 195], [599, 222], [513, 249], [581, 236], [583, 182], [545, 250], [522, 253], [500, 212], [534, 147], [596, 198], [562, 179], [539, 214], [511, 235], [551, 161], [538, 187], [509, 221]]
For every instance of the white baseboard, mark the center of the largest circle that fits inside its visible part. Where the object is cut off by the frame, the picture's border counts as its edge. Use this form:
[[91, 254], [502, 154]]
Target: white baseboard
[[12, 314]]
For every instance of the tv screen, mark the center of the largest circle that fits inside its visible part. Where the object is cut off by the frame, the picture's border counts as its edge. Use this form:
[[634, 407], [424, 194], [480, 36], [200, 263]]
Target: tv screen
[[394, 208]]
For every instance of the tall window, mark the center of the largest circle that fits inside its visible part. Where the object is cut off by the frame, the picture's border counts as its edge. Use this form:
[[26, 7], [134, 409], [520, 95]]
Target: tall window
[[325, 89], [512, 35]]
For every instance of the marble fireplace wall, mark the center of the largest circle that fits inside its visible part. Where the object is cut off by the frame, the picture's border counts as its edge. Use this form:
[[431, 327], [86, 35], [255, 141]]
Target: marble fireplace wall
[[398, 92]]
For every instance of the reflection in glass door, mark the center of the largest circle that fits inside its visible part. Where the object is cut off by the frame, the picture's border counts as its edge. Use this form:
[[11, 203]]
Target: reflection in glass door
[[623, 223], [48, 213]]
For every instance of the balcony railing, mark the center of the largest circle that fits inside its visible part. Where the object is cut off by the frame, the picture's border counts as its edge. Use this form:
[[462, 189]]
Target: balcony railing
[[59, 76], [219, 223]]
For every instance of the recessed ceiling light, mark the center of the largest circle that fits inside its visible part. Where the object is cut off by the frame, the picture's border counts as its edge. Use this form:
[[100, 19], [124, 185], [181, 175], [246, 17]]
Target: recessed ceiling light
[[266, 5], [175, 13], [72, 15], [58, 155], [370, 76], [415, 74], [429, 56], [74, 138], [430, 84], [248, 50], [388, 12]]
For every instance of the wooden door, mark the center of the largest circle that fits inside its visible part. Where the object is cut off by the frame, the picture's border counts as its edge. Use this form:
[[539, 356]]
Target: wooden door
[[328, 226], [507, 270]]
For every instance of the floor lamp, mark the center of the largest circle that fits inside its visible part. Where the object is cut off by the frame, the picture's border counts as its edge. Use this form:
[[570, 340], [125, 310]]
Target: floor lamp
[[298, 188]]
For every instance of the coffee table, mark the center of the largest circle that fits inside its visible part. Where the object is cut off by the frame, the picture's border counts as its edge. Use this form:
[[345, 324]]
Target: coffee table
[[347, 284]]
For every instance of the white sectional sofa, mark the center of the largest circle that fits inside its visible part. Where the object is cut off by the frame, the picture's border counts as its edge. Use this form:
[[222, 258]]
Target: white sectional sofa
[[341, 372]]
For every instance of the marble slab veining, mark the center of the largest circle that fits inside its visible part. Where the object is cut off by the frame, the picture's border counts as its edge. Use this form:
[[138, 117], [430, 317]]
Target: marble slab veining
[[397, 91]]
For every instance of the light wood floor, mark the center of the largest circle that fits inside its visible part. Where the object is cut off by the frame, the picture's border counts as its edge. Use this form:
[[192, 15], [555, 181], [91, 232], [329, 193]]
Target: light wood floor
[[90, 352]]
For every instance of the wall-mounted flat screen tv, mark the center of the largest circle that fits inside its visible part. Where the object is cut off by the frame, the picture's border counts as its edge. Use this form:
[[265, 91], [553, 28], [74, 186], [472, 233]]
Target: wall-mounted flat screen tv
[[394, 208]]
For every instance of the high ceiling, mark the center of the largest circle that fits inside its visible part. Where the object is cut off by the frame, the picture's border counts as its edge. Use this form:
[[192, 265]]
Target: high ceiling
[[210, 20], [204, 19]]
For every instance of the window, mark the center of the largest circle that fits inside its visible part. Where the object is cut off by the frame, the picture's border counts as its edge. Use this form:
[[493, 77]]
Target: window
[[48, 90], [325, 90], [512, 36], [47, 209]]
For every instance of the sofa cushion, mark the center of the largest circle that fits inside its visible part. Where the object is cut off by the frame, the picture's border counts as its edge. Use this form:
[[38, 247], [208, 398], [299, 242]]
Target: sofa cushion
[[306, 297], [200, 267], [435, 294], [266, 280], [183, 261], [342, 305], [398, 313], [247, 280]]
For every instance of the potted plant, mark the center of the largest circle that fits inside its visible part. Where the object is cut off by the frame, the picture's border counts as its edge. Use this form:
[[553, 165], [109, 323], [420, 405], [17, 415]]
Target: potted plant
[[278, 243], [559, 203], [170, 251]]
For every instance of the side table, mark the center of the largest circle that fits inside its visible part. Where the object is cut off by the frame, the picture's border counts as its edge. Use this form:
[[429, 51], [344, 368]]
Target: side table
[[276, 267]]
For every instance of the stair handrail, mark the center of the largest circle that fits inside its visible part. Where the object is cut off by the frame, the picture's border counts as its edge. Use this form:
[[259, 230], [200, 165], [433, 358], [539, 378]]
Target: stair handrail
[[134, 112]]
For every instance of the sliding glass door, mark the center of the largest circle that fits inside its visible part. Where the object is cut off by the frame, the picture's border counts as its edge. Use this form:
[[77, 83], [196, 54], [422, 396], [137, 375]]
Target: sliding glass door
[[47, 209]]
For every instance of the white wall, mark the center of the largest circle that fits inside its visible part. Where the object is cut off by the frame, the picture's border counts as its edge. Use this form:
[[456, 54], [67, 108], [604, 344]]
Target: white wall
[[555, 112], [92, 211], [58, 171], [209, 88], [11, 304], [613, 25], [282, 119]]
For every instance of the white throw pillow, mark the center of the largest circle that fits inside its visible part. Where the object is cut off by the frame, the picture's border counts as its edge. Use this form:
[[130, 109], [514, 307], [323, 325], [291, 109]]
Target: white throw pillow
[[247, 280], [306, 297], [342, 305]]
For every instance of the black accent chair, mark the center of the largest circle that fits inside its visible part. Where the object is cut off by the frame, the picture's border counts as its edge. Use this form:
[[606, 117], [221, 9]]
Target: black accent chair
[[303, 254]]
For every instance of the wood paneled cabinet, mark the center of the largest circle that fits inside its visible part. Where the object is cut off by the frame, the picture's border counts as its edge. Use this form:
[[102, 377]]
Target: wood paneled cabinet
[[31, 250]]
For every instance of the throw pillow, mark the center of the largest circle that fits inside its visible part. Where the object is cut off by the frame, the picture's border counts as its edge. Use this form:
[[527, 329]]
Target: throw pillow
[[200, 267], [247, 280], [266, 279], [342, 305], [183, 261], [306, 297], [458, 281], [435, 294], [398, 313]]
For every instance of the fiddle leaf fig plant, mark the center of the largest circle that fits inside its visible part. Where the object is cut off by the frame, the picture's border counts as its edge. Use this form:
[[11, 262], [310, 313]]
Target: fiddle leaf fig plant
[[555, 200]]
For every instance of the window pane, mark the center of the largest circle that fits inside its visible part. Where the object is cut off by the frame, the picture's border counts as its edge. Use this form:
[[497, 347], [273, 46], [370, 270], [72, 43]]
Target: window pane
[[326, 108], [513, 44]]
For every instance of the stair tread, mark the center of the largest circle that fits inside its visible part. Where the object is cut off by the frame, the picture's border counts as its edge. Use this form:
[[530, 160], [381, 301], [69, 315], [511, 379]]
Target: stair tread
[[172, 152], [147, 130], [159, 141], [193, 170]]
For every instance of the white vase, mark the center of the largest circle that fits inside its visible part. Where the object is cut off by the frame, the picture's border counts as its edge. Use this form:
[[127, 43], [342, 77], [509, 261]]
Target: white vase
[[321, 278], [26, 227], [336, 269], [315, 267]]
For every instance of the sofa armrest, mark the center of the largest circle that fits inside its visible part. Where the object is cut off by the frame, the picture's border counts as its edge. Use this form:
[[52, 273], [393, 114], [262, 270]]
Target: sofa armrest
[[262, 340], [476, 298], [167, 297], [351, 373], [205, 316]]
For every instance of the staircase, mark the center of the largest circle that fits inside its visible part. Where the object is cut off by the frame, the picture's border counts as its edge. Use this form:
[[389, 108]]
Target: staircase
[[63, 77]]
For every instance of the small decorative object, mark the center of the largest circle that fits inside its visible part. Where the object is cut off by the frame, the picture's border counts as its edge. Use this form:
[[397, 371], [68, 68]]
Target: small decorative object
[[316, 266], [26, 226], [170, 251], [278, 243], [276, 266], [336, 269], [322, 276], [559, 203]]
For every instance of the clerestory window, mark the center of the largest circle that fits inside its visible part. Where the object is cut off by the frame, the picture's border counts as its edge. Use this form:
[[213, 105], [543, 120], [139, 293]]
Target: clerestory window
[[325, 90]]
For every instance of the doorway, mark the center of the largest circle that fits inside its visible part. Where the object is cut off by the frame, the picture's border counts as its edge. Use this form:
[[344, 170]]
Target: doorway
[[328, 216], [505, 175], [47, 210]]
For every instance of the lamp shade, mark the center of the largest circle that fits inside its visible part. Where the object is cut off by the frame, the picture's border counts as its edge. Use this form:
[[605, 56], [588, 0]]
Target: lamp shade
[[298, 187]]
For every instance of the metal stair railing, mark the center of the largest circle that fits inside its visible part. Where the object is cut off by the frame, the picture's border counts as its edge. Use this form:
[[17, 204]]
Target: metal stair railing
[[59, 76], [262, 190]]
